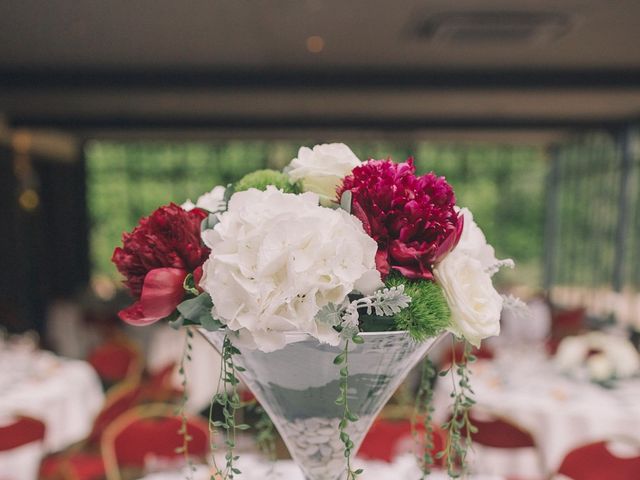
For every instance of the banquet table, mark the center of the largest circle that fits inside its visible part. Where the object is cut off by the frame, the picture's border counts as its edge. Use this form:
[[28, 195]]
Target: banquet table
[[561, 412], [254, 467], [65, 394]]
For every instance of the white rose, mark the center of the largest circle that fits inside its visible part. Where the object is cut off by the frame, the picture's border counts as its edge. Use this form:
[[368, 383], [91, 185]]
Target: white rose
[[321, 169], [211, 201], [475, 305], [277, 259], [474, 243]]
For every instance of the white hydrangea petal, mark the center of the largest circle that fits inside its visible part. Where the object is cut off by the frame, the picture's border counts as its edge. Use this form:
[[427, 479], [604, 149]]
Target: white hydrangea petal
[[278, 259]]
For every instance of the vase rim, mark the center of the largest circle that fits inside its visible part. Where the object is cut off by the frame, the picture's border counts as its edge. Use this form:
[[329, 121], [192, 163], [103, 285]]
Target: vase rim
[[294, 337]]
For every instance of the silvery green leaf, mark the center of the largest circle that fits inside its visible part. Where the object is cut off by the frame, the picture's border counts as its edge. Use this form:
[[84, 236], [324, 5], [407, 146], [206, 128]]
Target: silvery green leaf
[[177, 322], [345, 201], [198, 311], [211, 221], [384, 302], [331, 314]]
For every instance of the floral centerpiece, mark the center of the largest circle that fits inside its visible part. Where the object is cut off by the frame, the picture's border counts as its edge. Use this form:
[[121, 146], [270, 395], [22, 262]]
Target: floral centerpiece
[[602, 358], [366, 262]]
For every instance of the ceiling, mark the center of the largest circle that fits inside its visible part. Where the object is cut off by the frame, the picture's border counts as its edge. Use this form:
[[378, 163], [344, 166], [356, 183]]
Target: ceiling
[[253, 33], [238, 64]]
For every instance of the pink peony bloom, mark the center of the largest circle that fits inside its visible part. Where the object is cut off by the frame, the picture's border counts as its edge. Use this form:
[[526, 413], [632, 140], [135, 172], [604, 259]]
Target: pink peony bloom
[[411, 218]]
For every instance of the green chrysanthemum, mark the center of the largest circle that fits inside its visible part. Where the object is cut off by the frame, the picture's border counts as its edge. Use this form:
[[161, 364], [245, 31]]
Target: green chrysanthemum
[[428, 313], [261, 179]]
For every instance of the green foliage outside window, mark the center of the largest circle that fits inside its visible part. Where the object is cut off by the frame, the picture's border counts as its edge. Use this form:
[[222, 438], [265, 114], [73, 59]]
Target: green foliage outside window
[[502, 185]]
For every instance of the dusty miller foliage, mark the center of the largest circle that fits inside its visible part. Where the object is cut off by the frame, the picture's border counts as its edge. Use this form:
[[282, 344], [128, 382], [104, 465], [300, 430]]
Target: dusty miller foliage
[[383, 302]]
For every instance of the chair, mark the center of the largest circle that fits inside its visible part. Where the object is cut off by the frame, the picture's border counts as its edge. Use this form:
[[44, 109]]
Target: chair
[[564, 323], [117, 360], [499, 434], [149, 430], [21, 448], [119, 399], [158, 386], [389, 438], [596, 461], [485, 352], [83, 461], [22, 431]]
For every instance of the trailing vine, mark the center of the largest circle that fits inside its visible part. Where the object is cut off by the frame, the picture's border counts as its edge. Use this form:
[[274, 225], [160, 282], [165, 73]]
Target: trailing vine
[[229, 401], [423, 409], [347, 415], [265, 433], [459, 427], [186, 438]]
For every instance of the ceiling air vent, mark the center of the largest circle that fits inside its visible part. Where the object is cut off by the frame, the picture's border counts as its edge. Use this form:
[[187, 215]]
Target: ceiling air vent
[[494, 27]]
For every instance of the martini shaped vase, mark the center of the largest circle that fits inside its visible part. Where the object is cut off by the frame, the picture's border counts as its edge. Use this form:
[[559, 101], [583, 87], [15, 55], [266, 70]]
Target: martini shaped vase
[[298, 385]]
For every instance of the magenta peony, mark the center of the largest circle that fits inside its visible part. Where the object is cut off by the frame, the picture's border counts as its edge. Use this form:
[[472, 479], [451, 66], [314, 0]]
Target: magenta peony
[[412, 218], [155, 259]]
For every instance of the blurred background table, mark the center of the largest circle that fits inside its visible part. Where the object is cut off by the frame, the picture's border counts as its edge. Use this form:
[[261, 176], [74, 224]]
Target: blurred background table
[[255, 468], [523, 387], [64, 394]]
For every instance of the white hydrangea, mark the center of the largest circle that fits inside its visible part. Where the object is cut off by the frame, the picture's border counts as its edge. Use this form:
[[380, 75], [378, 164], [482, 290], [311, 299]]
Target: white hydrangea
[[278, 258], [321, 169], [212, 201]]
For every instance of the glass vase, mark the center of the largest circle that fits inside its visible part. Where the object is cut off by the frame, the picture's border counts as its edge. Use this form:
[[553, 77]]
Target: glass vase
[[298, 385]]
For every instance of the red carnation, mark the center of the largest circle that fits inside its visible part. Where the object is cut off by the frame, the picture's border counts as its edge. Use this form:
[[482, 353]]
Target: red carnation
[[156, 257], [412, 218]]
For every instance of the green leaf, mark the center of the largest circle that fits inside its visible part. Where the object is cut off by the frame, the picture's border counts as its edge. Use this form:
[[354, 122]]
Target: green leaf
[[209, 222], [345, 201], [198, 311], [177, 322], [189, 285], [339, 359], [357, 339], [352, 417]]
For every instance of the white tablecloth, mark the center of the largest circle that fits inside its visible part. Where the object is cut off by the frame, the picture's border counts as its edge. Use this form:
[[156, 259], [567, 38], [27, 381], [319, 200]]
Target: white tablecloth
[[65, 394], [561, 413], [255, 468]]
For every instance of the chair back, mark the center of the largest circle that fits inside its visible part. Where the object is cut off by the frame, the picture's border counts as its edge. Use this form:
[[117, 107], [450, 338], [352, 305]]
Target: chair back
[[21, 448], [389, 438], [22, 431], [499, 432], [117, 360], [596, 461], [150, 430], [158, 387], [120, 398], [564, 323]]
